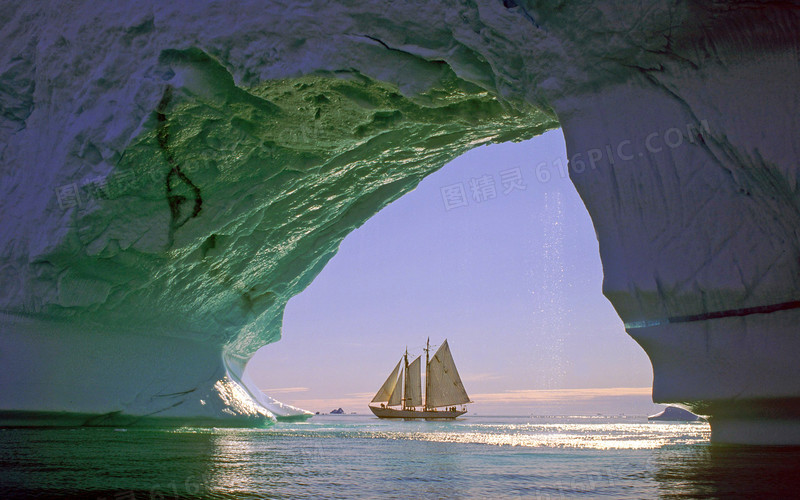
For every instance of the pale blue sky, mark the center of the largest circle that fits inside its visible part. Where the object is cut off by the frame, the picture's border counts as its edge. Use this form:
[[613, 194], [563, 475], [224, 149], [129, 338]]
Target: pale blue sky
[[513, 281]]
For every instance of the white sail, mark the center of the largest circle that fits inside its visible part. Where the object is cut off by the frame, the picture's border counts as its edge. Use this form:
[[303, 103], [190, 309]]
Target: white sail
[[396, 397], [386, 389], [444, 385], [414, 383]]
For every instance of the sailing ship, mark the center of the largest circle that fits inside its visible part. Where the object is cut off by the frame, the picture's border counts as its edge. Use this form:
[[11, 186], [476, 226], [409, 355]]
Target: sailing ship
[[443, 388]]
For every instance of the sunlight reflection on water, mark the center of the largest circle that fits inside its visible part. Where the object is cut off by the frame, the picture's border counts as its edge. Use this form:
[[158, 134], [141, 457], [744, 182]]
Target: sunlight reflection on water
[[605, 436]]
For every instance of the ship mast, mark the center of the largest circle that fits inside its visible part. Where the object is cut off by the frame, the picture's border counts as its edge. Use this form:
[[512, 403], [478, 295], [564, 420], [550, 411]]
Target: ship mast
[[427, 372], [405, 386]]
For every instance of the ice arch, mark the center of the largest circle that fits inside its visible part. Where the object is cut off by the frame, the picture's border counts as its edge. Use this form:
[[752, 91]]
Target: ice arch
[[173, 173]]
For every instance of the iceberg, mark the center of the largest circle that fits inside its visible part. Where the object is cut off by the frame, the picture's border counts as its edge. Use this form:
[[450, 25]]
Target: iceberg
[[174, 172], [168, 187], [675, 414]]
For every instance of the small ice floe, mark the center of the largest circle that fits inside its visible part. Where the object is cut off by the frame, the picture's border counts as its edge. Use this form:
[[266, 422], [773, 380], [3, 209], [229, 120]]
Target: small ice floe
[[676, 414]]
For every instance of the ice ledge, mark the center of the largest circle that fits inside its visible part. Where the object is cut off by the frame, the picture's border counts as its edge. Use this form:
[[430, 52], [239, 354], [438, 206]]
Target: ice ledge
[[103, 378], [742, 371], [756, 431]]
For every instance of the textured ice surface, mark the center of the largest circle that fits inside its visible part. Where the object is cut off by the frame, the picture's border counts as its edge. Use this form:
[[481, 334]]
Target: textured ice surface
[[175, 172]]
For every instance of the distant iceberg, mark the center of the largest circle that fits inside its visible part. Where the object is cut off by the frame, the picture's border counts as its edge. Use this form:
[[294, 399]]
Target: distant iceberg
[[676, 414]]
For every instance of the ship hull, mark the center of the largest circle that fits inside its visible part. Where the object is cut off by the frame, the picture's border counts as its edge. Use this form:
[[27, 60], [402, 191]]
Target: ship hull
[[416, 414]]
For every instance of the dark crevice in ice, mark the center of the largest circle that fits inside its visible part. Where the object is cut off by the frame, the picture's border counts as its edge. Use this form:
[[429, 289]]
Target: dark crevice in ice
[[175, 176], [729, 313]]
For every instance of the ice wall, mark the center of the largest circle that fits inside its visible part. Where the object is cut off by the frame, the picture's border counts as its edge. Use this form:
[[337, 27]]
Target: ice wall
[[172, 173], [688, 168]]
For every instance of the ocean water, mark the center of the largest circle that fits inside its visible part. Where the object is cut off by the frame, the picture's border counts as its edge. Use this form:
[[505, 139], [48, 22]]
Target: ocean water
[[359, 456]]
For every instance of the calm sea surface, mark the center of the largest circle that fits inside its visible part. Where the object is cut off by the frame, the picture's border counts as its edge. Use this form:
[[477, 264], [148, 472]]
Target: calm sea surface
[[360, 456]]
